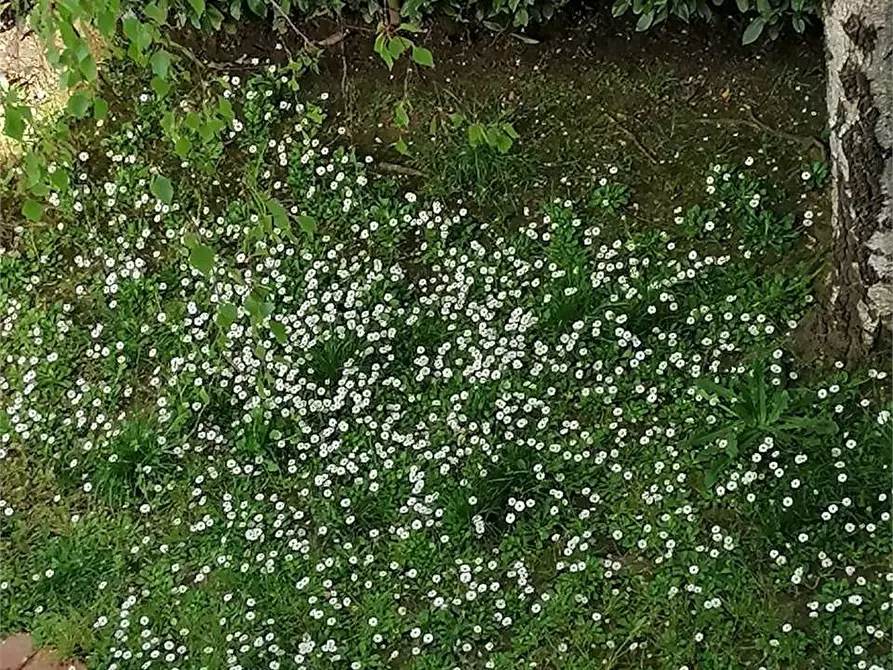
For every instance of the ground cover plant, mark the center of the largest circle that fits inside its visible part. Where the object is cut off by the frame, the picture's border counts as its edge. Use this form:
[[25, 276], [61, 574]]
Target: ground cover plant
[[264, 406]]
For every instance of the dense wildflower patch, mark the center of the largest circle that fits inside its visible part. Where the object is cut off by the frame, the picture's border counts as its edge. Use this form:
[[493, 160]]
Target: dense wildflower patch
[[290, 414]]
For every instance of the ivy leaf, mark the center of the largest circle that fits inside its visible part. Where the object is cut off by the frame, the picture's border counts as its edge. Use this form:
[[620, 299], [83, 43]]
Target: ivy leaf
[[201, 257], [422, 56], [226, 315], [308, 224], [32, 210], [278, 331], [161, 188], [78, 104], [160, 62], [198, 6], [753, 31]]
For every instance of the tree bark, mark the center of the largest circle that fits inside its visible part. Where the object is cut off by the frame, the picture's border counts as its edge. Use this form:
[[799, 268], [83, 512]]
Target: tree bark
[[859, 46]]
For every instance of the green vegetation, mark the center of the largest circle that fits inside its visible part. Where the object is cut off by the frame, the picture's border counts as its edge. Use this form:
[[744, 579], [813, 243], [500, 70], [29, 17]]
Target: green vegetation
[[266, 404]]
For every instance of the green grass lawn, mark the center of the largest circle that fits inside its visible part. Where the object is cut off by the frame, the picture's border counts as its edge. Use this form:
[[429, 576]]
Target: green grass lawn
[[264, 406]]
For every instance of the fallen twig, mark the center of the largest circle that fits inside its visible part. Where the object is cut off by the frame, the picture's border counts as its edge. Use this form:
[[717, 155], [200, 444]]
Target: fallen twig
[[753, 122], [291, 23], [633, 138], [331, 40]]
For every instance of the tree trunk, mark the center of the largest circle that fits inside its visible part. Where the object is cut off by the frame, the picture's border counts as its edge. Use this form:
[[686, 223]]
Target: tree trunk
[[859, 45]]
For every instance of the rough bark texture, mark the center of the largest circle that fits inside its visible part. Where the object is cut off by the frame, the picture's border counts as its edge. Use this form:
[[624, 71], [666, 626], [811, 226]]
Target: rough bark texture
[[859, 44]]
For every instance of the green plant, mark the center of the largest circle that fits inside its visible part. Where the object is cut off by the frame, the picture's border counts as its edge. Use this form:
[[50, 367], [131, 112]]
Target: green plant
[[390, 45], [771, 15], [752, 208], [815, 175], [609, 197], [756, 406]]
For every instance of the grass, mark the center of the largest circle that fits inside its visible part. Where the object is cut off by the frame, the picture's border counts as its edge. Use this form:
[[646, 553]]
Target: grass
[[296, 413]]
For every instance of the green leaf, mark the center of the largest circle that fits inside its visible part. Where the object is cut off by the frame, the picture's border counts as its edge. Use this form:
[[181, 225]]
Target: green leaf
[[645, 21], [500, 140], [619, 7], [215, 18], [40, 189], [192, 121], [87, 67], [280, 216], [161, 188], [182, 146], [225, 108], [252, 306], [156, 11], [167, 123], [201, 257], [307, 223], [32, 210], [457, 119], [397, 45], [743, 5], [422, 56], [226, 315], [106, 22], [79, 104], [160, 86], [711, 387], [278, 331], [401, 147], [753, 31], [33, 168], [131, 28], [59, 179], [160, 62], [198, 6], [100, 108], [401, 118], [259, 7], [14, 124], [476, 134]]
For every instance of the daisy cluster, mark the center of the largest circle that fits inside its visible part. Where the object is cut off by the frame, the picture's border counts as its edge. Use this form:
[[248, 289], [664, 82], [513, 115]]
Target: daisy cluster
[[297, 416]]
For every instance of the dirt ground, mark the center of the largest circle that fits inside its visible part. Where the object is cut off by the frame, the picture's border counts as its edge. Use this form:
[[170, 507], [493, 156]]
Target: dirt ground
[[589, 93]]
